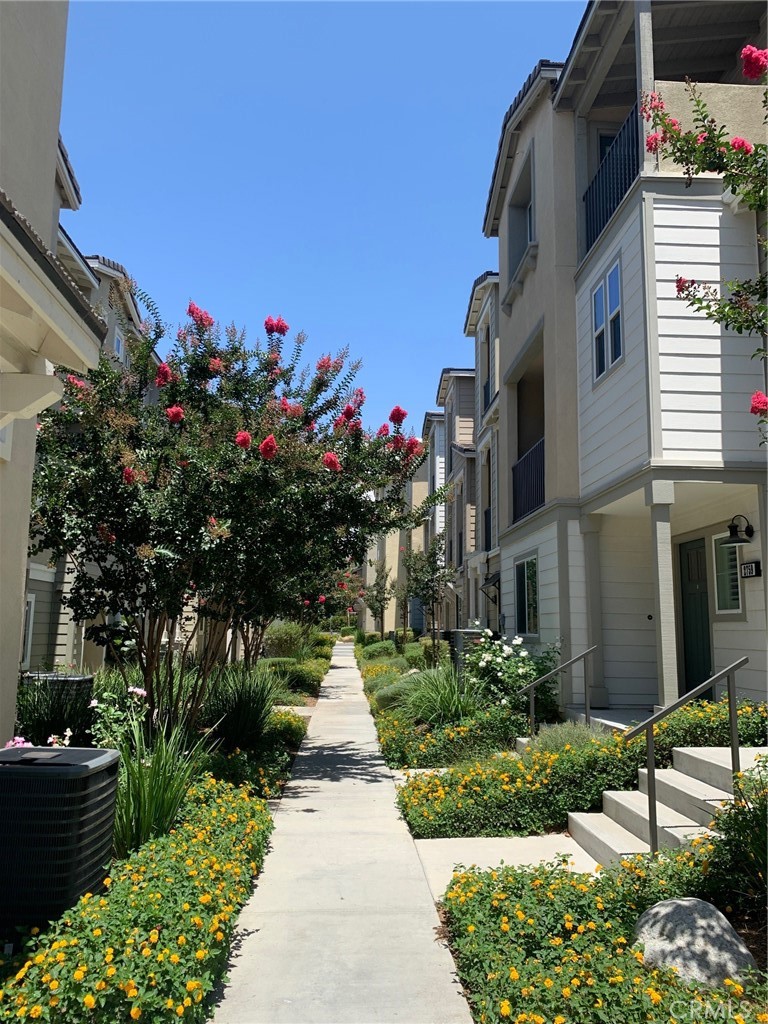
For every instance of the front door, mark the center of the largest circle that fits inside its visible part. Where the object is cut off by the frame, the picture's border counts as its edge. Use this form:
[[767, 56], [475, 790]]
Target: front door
[[697, 652]]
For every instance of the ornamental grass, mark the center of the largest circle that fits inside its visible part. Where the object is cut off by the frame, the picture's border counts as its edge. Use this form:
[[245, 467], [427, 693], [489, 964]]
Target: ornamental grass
[[406, 745], [543, 945], [154, 944]]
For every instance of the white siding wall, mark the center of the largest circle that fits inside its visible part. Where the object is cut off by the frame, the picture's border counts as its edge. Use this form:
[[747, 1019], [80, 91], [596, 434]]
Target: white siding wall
[[577, 579], [613, 418], [543, 543], [465, 410], [627, 594], [732, 640], [706, 373]]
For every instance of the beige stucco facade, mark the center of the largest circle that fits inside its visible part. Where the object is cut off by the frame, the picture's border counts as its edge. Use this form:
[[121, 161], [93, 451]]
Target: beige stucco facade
[[44, 318]]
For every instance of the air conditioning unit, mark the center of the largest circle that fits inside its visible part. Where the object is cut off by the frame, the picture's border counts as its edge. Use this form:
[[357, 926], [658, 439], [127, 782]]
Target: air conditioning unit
[[57, 808]]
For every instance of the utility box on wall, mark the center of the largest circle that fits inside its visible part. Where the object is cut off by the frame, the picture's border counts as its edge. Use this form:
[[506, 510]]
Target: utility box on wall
[[57, 808]]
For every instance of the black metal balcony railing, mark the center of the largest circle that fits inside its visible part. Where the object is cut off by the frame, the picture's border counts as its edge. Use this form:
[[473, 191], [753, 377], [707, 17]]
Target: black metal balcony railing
[[487, 528], [619, 168], [486, 394], [528, 482]]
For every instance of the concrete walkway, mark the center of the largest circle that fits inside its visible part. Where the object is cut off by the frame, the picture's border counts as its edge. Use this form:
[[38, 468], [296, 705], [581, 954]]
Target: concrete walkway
[[342, 926]]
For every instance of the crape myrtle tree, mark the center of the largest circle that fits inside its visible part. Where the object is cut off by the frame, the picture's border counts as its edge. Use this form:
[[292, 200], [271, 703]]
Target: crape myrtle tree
[[379, 593], [228, 480], [428, 579], [739, 306]]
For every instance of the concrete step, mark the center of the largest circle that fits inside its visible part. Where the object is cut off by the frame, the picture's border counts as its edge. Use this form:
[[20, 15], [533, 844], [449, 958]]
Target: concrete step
[[630, 810], [603, 838], [713, 764], [695, 799], [522, 743]]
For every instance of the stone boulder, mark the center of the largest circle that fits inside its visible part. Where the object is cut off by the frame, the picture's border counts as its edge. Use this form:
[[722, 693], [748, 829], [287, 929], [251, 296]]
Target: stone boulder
[[693, 937]]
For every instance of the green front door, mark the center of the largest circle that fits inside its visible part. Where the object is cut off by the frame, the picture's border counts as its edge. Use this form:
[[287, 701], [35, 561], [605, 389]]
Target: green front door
[[697, 652]]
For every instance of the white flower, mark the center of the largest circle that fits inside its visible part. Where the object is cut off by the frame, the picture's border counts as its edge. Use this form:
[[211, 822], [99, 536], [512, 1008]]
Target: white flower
[[94, 703], [487, 632], [523, 652], [507, 650], [521, 671], [517, 640]]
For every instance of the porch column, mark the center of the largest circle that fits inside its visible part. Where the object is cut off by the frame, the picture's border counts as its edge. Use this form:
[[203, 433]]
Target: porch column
[[659, 497], [646, 78], [594, 676]]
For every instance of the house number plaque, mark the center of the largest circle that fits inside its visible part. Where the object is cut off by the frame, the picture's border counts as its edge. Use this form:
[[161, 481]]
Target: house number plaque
[[750, 569]]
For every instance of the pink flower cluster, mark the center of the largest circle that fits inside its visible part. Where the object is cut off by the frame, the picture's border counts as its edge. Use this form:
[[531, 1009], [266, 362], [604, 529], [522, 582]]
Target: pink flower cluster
[[201, 318], [164, 375], [17, 741], [651, 103], [754, 62], [759, 406], [738, 143], [76, 382], [331, 461], [175, 413], [268, 447], [397, 416], [279, 326], [383, 430], [243, 439], [294, 410], [129, 475], [683, 284], [215, 365]]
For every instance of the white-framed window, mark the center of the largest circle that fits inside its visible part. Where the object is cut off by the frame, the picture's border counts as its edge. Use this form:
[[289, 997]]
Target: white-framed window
[[527, 597], [607, 334], [725, 560], [29, 621], [119, 346]]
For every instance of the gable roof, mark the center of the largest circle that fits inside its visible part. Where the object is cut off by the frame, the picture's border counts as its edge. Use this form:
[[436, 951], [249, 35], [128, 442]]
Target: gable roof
[[488, 277], [546, 72]]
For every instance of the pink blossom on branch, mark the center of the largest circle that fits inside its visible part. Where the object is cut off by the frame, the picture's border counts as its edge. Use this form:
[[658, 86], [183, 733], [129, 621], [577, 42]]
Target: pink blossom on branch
[[75, 382], [383, 430], [759, 406], [278, 326], [268, 447], [738, 143], [321, 599], [683, 284], [201, 318], [754, 62], [653, 141], [215, 365], [331, 461], [243, 439], [175, 413], [163, 376], [324, 365], [129, 475], [397, 416]]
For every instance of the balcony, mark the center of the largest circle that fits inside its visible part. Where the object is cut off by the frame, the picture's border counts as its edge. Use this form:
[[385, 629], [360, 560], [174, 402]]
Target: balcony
[[528, 482], [487, 529], [486, 394], [614, 177]]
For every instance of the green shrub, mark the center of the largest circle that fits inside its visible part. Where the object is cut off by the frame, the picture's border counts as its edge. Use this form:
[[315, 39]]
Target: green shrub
[[322, 651], [359, 637], [405, 745], [567, 735], [348, 631], [189, 883], [705, 724], [382, 649], [239, 703], [394, 694], [279, 665], [438, 696], [533, 794], [304, 678], [284, 640], [323, 640], [443, 652], [377, 682], [414, 655], [48, 707], [504, 668], [371, 638], [153, 780], [546, 944]]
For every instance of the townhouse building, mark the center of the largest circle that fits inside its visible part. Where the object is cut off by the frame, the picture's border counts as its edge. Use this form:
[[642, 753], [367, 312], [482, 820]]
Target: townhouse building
[[484, 562], [456, 397], [45, 319], [631, 487]]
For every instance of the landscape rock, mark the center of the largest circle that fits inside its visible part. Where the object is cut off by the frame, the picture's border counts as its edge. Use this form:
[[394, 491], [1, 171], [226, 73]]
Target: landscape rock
[[693, 937]]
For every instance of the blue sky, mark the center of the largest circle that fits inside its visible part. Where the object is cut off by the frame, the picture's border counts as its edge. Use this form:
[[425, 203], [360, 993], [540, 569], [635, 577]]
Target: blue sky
[[328, 162]]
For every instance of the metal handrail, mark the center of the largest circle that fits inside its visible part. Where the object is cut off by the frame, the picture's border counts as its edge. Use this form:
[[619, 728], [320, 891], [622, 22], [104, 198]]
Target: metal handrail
[[729, 674], [531, 687]]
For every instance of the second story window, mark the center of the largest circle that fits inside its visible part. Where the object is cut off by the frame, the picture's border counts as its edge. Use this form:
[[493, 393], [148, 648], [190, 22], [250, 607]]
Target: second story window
[[606, 321], [119, 346]]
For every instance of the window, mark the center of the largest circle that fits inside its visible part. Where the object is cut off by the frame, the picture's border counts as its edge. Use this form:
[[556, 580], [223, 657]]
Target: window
[[521, 221], [726, 562], [527, 597], [606, 321], [119, 346], [29, 619], [604, 142]]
